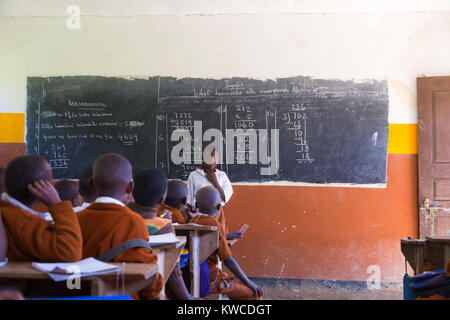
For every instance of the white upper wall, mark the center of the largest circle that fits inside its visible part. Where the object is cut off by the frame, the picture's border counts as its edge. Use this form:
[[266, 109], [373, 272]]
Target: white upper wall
[[398, 46], [180, 7]]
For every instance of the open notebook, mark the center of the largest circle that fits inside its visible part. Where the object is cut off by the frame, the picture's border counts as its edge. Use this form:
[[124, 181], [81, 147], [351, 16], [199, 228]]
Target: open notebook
[[64, 270], [160, 239]]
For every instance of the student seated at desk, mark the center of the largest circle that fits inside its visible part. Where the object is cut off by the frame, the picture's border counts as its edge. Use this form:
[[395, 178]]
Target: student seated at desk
[[209, 202], [176, 202], [31, 238], [107, 222], [68, 190], [150, 188]]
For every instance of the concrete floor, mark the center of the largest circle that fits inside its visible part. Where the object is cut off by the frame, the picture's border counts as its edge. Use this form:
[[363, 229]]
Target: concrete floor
[[333, 294], [284, 289]]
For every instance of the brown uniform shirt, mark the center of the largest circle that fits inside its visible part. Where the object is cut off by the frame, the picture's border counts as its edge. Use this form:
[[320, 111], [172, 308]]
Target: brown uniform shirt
[[105, 226], [31, 238]]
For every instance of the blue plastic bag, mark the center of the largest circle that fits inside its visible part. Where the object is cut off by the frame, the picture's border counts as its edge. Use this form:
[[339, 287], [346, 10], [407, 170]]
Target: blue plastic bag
[[204, 276]]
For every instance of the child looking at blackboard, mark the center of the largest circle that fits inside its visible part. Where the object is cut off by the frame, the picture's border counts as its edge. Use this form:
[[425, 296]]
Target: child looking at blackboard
[[28, 180], [107, 222], [209, 175], [150, 189]]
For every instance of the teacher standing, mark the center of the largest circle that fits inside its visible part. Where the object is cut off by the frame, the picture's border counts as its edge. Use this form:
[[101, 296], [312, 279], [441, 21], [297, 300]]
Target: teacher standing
[[209, 175]]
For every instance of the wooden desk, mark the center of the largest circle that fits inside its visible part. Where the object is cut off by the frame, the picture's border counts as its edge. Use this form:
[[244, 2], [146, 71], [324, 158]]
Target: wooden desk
[[427, 254], [168, 255], [37, 284], [203, 241]]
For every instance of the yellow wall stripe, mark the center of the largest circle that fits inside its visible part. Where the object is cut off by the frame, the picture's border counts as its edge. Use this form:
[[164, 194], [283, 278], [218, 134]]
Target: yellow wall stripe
[[12, 127], [402, 138]]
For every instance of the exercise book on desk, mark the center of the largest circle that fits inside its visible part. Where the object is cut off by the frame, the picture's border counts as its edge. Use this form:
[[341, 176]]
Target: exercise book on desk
[[160, 239], [83, 268]]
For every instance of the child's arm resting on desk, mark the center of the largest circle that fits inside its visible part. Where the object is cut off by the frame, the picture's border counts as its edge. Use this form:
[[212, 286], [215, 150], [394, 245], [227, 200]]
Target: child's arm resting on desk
[[237, 271]]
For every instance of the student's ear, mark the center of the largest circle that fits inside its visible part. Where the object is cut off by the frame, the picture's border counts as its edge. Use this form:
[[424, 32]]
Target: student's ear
[[130, 187], [184, 201]]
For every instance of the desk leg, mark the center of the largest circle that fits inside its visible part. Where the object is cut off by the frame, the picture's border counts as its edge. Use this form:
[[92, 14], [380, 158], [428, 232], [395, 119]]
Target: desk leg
[[194, 249], [161, 267]]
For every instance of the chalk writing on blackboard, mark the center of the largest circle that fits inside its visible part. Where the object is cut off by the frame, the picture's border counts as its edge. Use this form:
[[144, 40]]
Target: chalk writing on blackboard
[[296, 129]]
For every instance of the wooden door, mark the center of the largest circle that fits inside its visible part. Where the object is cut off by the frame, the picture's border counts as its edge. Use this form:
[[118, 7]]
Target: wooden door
[[433, 101]]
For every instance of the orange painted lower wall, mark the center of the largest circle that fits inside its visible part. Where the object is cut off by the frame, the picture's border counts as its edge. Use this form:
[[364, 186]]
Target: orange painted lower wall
[[327, 233]]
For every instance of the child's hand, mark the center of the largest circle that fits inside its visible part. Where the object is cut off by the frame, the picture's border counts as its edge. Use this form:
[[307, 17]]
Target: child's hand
[[45, 192], [256, 289], [191, 211], [211, 176], [235, 235]]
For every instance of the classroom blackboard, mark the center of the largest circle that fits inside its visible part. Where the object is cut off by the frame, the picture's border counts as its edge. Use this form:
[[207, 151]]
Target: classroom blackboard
[[297, 129]]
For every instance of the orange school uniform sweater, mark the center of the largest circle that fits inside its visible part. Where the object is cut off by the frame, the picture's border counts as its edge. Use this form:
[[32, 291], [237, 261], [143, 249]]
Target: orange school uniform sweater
[[177, 217], [105, 226], [40, 207], [221, 220], [31, 238]]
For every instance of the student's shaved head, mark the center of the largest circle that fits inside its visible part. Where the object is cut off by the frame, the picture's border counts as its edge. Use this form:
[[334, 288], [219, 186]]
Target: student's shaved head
[[84, 187], [68, 190], [23, 171], [2, 180], [177, 193], [208, 200], [111, 176], [150, 187]]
